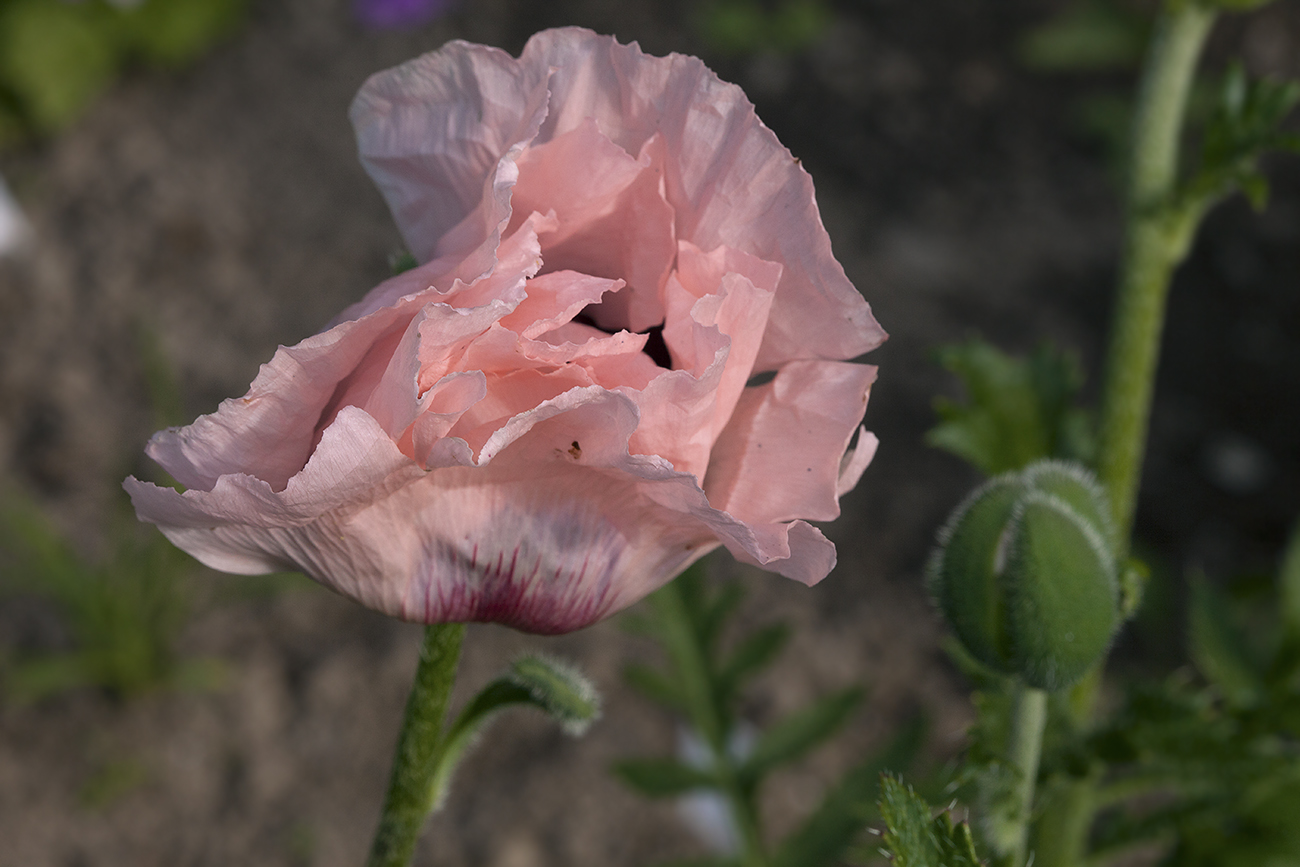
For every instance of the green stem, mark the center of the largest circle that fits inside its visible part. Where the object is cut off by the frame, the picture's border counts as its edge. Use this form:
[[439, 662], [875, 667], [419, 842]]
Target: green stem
[[419, 748], [1154, 245], [1156, 240], [1023, 752]]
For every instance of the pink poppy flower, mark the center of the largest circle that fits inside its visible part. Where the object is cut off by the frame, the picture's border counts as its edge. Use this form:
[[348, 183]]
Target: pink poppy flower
[[552, 415]]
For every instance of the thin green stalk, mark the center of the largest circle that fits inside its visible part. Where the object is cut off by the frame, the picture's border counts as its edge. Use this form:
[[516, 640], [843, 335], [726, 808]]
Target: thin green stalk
[[410, 788], [1011, 830], [1155, 242]]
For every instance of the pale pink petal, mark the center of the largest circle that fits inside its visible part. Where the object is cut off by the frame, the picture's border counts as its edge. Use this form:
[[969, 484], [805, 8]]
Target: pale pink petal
[[779, 458], [715, 343], [442, 406], [554, 299], [269, 432], [439, 136], [613, 220], [510, 395], [728, 179], [855, 462]]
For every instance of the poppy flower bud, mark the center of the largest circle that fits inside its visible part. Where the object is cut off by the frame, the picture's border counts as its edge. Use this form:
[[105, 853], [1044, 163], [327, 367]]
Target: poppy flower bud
[[1025, 573]]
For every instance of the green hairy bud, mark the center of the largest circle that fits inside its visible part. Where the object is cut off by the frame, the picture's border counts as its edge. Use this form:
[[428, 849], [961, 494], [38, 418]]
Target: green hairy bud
[[1025, 573]]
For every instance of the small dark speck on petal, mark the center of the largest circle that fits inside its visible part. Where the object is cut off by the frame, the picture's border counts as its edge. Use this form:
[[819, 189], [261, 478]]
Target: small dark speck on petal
[[575, 450]]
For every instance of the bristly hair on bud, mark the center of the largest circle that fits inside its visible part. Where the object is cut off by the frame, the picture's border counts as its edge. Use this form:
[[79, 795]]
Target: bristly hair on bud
[[1024, 571]]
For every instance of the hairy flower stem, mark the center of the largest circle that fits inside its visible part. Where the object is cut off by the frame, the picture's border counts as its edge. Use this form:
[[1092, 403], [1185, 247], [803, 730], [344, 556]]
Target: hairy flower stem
[[419, 745], [1010, 821], [1157, 235], [1155, 243]]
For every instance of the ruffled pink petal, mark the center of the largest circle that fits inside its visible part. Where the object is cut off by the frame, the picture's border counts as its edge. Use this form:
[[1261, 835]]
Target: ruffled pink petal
[[728, 179], [554, 299], [612, 218], [269, 432], [557, 526], [442, 406], [439, 135], [509, 395], [780, 456], [713, 337]]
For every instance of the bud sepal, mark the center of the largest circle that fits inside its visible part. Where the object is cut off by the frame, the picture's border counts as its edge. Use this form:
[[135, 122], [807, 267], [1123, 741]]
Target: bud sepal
[[1025, 572]]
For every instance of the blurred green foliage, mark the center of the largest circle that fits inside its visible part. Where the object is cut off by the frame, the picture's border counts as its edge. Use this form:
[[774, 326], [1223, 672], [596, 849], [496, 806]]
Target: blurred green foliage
[[747, 27], [58, 55], [1087, 36], [703, 682], [124, 610], [916, 838], [1017, 410]]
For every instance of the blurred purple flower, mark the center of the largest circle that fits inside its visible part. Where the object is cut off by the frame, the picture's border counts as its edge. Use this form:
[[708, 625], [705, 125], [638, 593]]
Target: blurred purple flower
[[394, 14]]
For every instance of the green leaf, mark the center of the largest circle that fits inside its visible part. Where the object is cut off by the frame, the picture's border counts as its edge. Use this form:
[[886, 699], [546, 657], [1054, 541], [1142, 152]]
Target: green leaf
[[555, 688], [799, 732], [1018, 410], [755, 652], [849, 805], [56, 57], [1219, 649], [917, 840], [663, 778], [1087, 36], [1245, 125], [676, 607]]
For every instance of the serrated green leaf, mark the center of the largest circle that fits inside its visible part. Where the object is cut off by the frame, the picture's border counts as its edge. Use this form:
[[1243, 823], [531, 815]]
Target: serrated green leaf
[[1017, 410], [849, 805], [800, 732], [917, 840], [1219, 649], [663, 778], [754, 653], [1245, 125]]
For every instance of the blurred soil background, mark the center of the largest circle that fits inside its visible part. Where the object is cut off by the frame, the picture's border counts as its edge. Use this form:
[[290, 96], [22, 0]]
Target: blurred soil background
[[191, 220]]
